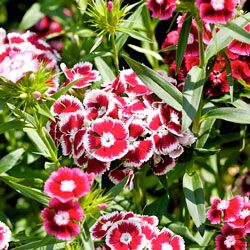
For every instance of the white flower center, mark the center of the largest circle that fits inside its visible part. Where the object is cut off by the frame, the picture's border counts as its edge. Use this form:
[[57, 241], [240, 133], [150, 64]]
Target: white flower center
[[159, 1], [125, 238], [248, 180], [67, 186], [218, 4], [229, 241], [61, 218], [166, 246], [223, 205], [107, 139], [244, 213], [102, 110], [190, 38]]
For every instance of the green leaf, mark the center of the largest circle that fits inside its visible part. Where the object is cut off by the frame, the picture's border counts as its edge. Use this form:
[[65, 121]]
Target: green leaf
[[229, 76], [114, 191], [146, 52], [31, 17], [160, 86], [10, 160], [205, 152], [182, 41], [236, 32], [135, 34], [13, 124], [29, 192], [85, 33], [43, 109], [192, 94], [236, 115], [223, 38], [105, 71], [195, 200]]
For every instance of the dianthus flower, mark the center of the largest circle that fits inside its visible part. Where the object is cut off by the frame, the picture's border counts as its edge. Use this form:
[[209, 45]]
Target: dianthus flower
[[60, 219], [5, 235], [66, 184], [216, 11]]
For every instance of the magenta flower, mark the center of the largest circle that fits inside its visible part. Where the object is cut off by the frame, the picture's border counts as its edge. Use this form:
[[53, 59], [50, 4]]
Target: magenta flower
[[162, 164], [167, 240], [231, 239], [162, 9], [17, 64], [82, 73], [60, 219], [216, 11], [107, 139], [66, 184], [5, 236], [125, 235], [226, 210]]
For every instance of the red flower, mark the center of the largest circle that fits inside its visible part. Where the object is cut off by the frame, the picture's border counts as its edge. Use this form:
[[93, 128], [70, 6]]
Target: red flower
[[167, 240], [216, 11], [82, 73], [228, 210], [125, 235], [107, 139], [162, 164], [60, 219], [231, 239], [66, 184], [162, 9]]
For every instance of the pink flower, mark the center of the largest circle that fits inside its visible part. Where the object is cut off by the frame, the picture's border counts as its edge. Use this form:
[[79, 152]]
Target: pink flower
[[226, 210], [231, 239], [5, 236], [82, 73], [162, 9], [216, 11], [125, 235], [60, 219], [167, 240], [107, 139], [66, 184], [17, 64]]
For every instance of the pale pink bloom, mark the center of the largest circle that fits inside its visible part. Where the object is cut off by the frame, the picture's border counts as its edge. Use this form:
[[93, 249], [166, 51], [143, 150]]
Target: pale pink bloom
[[5, 236]]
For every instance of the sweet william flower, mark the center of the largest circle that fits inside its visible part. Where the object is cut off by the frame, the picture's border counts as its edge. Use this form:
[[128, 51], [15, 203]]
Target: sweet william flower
[[60, 219], [66, 184], [5, 235]]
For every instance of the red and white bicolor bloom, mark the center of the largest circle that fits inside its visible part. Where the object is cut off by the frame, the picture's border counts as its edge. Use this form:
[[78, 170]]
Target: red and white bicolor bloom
[[240, 48], [5, 236], [225, 210], [166, 240], [231, 239], [103, 224], [163, 9], [66, 104], [17, 64], [241, 70], [82, 73], [117, 175], [99, 103], [162, 164], [216, 11], [66, 184], [60, 219], [125, 235], [107, 139]]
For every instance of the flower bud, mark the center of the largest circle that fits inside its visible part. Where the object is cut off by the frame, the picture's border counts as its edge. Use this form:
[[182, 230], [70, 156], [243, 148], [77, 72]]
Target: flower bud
[[110, 6]]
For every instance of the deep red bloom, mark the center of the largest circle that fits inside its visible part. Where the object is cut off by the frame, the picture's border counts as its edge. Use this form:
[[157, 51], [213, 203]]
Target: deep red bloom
[[162, 9], [66, 184], [60, 219], [216, 11]]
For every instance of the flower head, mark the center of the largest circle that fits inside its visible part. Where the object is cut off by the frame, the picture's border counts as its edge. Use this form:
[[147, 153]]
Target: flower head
[[5, 235]]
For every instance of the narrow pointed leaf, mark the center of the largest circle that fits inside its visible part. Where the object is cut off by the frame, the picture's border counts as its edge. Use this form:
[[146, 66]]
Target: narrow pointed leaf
[[182, 41], [229, 76], [13, 124], [236, 115], [195, 200], [160, 86], [105, 71], [114, 191], [10, 160], [135, 34], [192, 95]]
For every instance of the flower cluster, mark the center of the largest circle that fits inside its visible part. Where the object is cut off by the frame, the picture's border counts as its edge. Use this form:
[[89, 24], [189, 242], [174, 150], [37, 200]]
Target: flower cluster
[[65, 187], [235, 216], [22, 53], [217, 84], [5, 235], [122, 121], [126, 230]]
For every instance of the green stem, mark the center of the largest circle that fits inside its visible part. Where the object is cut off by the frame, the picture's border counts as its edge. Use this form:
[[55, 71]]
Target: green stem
[[201, 45], [115, 52]]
